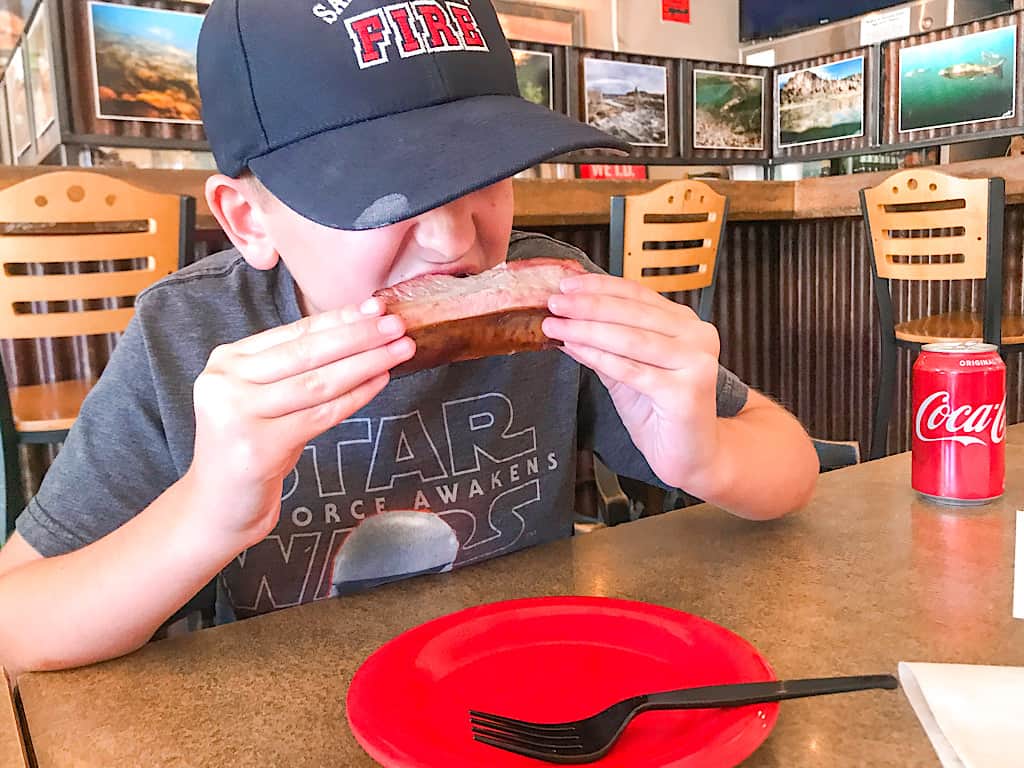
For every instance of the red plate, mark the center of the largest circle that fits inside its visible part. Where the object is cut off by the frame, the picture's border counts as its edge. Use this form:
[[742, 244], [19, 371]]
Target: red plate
[[555, 659]]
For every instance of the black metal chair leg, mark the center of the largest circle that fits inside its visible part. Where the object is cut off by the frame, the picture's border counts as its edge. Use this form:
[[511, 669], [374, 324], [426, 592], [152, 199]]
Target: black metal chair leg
[[13, 496], [883, 405], [10, 463]]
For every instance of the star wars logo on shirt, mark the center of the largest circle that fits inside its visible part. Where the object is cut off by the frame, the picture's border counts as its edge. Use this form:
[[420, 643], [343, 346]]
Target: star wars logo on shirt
[[410, 28], [388, 497]]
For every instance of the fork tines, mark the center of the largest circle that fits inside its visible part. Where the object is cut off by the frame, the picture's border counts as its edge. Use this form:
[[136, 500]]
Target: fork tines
[[524, 738]]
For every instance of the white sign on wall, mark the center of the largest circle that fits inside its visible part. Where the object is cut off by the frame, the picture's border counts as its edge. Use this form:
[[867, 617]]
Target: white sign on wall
[[879, 27], [765, 58]]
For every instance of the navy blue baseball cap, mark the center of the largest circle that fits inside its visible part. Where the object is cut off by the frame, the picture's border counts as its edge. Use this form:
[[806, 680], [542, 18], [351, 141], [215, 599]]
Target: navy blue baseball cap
[[362, 113]]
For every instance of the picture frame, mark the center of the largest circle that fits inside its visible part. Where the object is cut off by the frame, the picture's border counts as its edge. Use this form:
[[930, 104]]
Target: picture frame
[[555, 57], [16, 83], [962, 81], [538, 23], [633, 97], [728, 110], [12, 27], [170, 92], [41, 74], [6, 150], [826, 105]]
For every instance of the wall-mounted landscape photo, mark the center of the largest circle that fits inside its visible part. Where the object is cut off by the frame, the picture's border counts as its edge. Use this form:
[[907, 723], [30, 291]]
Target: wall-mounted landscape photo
[[17, 103], [728, 110], [534, 74], [966, 79], [822, 103], [40, 72], [627, 100], [145, 63]]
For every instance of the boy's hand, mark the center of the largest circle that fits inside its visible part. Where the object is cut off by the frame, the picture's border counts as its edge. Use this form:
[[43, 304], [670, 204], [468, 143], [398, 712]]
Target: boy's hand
[[659, 363], [260, 400]]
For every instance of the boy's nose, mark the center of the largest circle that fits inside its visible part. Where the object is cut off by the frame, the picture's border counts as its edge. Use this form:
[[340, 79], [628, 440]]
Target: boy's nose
[[448, 231]]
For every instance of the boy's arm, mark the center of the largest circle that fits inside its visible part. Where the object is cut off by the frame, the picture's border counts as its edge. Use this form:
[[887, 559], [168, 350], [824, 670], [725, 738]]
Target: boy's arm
[[109, 597], [659, 363], [257, 403], [766, 465]]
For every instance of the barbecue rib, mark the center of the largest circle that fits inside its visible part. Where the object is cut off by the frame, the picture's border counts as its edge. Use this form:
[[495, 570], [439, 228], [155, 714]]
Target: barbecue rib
[[497, 312]]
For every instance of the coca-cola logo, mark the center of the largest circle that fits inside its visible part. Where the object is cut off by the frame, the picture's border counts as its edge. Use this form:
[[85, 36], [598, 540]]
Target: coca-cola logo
[[938, 422]]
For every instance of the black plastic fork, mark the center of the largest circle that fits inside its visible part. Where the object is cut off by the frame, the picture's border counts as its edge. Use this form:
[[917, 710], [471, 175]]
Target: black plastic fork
[[590, 739]]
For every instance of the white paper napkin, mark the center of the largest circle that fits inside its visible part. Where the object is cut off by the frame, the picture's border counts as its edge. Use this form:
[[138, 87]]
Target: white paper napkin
[[974, 715], [1018, 570]]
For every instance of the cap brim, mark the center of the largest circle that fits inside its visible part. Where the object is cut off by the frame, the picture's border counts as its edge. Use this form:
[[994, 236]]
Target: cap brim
[[383, 171]]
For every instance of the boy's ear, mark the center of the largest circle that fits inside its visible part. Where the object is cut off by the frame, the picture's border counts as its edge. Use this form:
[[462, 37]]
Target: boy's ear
[[235, 205]]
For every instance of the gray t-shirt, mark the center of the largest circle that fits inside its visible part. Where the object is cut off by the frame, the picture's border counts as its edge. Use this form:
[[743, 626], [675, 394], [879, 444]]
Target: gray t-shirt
[[445, 467]]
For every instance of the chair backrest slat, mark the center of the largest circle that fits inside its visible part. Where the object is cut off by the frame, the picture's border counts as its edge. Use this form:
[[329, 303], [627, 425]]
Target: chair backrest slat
[[76, 236], [56, 324], [679, 224], [68, 249], [93, 285], [940, 220]]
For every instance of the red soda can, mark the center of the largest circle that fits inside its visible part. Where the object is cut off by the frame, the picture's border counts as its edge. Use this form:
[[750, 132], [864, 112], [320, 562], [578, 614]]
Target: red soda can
[[959, 406]]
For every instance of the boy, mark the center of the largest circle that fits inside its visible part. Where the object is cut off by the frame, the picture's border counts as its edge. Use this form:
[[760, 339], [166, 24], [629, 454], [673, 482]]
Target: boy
[[246, 425]]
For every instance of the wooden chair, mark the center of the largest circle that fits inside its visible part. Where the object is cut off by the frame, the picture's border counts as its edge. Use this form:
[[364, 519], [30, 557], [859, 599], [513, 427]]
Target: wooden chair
[[669, 239], [108, 240], [927, 226]]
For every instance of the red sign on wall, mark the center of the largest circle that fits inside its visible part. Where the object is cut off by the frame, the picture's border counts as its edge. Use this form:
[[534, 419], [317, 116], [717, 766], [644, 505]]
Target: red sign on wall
[[675, 10], [613, 171]]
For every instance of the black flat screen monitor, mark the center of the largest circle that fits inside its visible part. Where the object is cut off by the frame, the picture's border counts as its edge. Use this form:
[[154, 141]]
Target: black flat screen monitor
[[773, 18]]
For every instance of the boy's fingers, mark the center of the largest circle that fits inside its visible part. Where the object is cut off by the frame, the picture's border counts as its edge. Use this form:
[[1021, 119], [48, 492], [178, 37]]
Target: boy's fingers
[[309, 423], [309, 351], [649, 380], [638, 345], [313, 388], [614, 367], [608, 285], [665, 318], [323, 321]]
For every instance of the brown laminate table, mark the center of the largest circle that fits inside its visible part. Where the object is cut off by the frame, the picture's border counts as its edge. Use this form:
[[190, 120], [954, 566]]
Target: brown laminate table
[[865, 577], [12, 748]]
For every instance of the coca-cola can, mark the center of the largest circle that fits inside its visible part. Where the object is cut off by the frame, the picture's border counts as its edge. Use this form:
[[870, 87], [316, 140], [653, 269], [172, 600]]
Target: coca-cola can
[[959, 407]]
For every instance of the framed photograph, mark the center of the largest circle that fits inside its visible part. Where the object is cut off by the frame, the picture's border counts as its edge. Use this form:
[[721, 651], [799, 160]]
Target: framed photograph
[[17, 103], [826, 105], [728, 108], [540, 70], [535, 73], [959, 81], [962, 80], [539, 23], [40, 71], [144, 63], [12, 26], [627, 100], [6, 153], [822, 103]]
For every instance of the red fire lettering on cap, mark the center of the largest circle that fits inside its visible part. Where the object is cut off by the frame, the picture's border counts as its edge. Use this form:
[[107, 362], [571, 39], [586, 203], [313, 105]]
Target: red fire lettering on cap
[[400, 16], [440, 35], [370, 38], [468, 28]]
